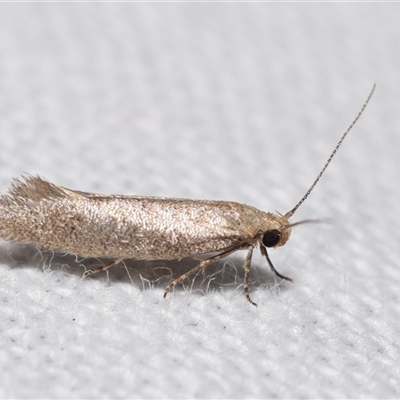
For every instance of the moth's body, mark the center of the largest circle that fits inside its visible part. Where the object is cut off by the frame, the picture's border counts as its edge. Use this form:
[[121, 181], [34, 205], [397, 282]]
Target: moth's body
[[120, 227], [146, 228]]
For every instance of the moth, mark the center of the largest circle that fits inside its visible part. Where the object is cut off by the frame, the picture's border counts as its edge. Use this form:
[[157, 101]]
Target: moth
[[118, 227]]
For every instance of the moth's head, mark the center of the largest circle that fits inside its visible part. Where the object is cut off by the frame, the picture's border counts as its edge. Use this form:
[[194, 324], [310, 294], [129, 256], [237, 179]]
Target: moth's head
[[278, 232], [279, 229]]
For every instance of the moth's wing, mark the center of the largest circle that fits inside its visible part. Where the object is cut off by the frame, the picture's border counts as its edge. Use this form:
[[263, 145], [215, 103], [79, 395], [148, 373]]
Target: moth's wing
[[143, 228]]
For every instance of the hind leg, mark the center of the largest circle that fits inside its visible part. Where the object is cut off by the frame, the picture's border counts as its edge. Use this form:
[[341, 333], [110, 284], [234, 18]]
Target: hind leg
[[102, 268], [202, 265]]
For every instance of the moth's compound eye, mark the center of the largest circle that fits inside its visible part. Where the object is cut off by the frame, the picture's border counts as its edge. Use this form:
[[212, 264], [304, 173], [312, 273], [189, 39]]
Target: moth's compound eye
[[271, 238]]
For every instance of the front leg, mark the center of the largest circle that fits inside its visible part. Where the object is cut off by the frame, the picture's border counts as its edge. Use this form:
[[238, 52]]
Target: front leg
[[265, 254]]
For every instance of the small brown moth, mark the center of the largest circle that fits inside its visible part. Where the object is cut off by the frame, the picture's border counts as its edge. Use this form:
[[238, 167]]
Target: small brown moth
[[144, 228]]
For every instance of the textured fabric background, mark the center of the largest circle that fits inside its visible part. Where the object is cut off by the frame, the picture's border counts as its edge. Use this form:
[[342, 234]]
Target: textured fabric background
[[232, 101]]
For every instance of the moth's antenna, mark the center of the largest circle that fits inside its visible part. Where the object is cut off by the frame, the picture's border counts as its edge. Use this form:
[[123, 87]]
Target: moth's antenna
[[291, 212]]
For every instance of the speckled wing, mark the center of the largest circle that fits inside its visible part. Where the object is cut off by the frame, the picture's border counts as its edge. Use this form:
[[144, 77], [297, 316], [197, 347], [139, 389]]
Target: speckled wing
[[93, 225]]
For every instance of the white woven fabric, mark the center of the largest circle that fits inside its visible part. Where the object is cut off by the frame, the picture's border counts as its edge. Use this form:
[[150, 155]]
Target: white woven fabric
[[232, 101]]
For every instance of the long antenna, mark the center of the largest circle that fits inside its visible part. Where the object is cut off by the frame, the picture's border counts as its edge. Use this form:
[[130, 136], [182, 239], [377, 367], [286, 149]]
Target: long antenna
[[291, 212]]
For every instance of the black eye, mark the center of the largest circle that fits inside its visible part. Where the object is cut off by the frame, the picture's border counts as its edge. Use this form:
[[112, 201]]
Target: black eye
[[271, 238]]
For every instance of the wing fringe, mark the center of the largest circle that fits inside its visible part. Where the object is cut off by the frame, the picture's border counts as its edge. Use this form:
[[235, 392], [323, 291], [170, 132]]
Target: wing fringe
[[35, 188]]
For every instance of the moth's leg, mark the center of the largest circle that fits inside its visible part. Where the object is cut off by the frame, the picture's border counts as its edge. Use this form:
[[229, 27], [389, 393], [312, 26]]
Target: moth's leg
[[246, 267], [202, 265], [102, 268], [265, 254]]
